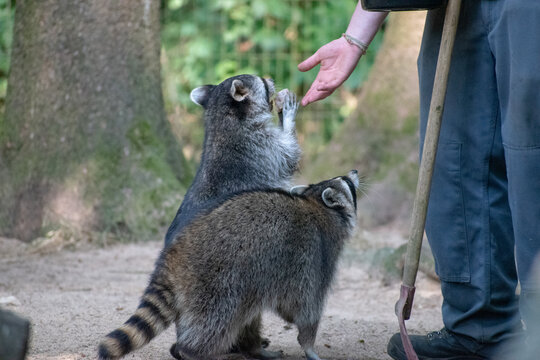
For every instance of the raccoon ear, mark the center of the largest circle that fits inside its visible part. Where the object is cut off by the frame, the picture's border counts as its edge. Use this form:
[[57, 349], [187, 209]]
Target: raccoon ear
[[238, 90], [331, 198], [298, 190], [353, 175], [201, 94]]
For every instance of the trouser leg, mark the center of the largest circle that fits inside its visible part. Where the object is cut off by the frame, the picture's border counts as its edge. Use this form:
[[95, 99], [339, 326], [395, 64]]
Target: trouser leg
[[469, 224], [515, 39]]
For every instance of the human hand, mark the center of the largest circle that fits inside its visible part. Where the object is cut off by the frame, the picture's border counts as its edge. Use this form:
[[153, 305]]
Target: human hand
[[338, 59]]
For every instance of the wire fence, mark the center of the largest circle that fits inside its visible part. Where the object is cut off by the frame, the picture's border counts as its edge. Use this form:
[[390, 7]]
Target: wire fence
[[270, 39]]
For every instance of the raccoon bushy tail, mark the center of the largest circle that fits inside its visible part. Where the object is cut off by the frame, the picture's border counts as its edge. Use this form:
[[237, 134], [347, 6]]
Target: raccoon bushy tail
[[154, 314]]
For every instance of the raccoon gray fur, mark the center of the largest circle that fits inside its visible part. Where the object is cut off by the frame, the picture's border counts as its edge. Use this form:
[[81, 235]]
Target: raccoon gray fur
[[242, 149], [258, 250]]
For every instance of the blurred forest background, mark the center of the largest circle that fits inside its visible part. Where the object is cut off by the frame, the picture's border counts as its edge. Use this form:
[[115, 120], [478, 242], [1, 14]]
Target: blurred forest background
[[99, 142], [86, 123]]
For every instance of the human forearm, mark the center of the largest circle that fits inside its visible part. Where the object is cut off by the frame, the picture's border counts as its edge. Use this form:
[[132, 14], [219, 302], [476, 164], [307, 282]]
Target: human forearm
[[365, 24]]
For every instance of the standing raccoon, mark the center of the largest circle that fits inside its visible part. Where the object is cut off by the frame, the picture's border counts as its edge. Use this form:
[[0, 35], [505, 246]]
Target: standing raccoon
[[257, 250], [242, 147], [242, 150]]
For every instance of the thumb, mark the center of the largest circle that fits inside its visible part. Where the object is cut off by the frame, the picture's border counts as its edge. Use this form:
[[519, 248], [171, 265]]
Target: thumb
[[310, 62]]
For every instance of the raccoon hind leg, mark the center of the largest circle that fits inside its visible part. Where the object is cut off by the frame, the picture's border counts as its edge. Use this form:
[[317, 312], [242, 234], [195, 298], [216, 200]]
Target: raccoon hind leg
[[204, 335], [179, 355], [249, 337], [306, 339], [251, 343]]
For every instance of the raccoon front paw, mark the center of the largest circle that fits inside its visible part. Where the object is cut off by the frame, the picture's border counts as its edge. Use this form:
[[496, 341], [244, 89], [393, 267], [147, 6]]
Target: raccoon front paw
[[280, 99], [289, 112], [287, 107]]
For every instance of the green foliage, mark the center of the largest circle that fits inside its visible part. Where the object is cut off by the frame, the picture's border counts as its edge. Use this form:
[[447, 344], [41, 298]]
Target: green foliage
[[208, 41], [6, 34]]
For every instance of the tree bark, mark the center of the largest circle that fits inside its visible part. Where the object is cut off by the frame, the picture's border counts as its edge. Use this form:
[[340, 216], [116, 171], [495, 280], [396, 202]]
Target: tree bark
[[85, 144]]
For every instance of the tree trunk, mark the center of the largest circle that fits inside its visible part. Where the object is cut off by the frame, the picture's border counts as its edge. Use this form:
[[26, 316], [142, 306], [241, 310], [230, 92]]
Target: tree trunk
[[85, 144], [380, 138]]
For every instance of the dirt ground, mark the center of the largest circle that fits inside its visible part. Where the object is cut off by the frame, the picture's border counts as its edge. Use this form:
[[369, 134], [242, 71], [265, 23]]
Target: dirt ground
[[74, 297]]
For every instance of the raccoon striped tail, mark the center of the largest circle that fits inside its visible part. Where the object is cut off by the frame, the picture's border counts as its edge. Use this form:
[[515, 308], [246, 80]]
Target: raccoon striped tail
[[154, 315]]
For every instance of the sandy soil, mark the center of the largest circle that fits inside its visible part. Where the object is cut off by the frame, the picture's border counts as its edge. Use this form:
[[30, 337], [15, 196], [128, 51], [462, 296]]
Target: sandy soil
[[74, 297]]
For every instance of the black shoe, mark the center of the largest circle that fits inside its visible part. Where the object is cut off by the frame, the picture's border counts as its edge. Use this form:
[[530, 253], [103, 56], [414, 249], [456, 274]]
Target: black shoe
[[435, 345]]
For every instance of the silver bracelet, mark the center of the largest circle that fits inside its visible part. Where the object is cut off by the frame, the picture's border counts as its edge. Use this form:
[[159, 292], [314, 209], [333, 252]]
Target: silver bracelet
[[354, 41]]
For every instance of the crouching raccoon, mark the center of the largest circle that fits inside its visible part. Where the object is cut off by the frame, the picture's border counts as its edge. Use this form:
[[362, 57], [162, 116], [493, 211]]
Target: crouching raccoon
[[257, 250]]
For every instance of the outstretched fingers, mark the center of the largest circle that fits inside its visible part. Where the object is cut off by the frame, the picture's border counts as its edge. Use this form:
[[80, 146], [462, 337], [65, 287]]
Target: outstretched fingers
[[314, 94]]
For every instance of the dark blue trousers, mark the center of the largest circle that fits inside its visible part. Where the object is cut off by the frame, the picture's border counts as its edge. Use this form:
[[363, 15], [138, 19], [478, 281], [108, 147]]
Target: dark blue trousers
[[484, 212]]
